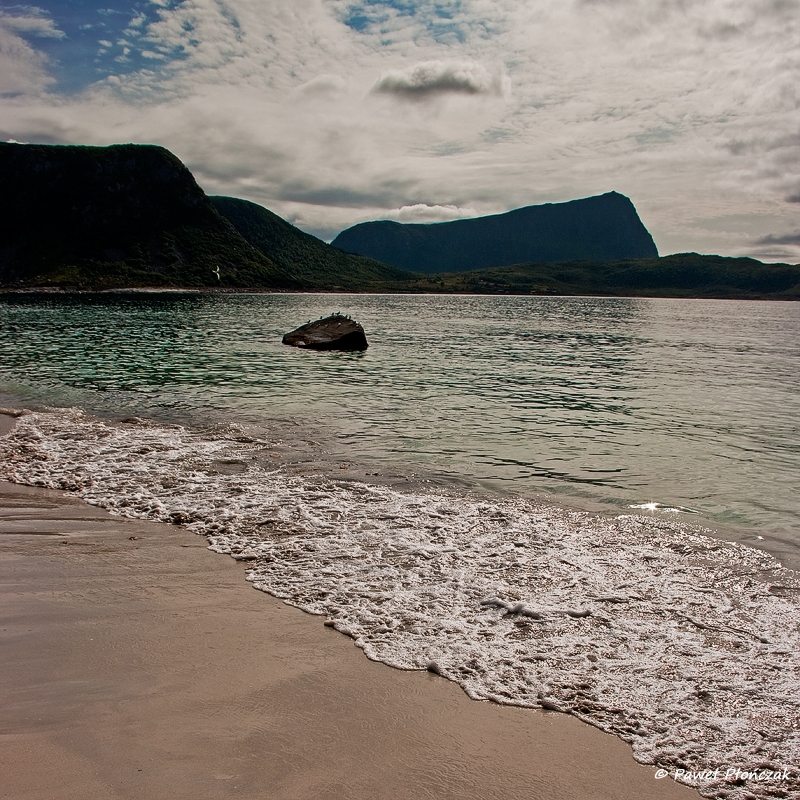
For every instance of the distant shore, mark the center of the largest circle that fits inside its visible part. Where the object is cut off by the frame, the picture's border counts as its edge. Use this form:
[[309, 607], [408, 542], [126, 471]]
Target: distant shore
[[206, 290], [138, 664]]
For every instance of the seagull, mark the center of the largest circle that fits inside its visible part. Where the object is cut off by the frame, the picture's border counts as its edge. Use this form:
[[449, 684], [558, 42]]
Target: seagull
[[216, 272]]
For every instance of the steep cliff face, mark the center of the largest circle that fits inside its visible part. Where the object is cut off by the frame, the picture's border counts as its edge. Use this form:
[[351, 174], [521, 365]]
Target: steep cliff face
[[600, 228], [122, 215]]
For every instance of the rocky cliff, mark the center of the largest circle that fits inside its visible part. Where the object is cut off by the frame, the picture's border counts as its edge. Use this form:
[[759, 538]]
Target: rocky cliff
[[125, 215]]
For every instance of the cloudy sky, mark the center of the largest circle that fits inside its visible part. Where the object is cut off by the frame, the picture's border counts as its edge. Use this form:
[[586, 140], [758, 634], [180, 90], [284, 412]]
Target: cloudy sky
[[332, 112]]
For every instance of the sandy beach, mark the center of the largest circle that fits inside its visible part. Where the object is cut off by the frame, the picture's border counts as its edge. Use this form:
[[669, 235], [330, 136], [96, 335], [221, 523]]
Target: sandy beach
[[137, 664]]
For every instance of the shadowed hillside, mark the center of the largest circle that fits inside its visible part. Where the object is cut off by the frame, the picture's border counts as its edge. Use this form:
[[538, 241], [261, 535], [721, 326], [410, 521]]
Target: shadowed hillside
[[125, 215], [312, 262], [602, 228], [682, 275]]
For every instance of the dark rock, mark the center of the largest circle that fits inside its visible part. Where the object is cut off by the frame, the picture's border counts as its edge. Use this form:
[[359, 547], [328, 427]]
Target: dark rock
[[336, 332]]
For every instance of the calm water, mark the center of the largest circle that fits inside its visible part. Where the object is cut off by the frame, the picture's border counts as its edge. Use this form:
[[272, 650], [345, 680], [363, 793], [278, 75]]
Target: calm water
[[687, 403], [434, 550]]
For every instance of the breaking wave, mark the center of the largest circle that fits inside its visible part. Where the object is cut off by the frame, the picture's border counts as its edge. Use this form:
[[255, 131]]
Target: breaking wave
[[685, 646]]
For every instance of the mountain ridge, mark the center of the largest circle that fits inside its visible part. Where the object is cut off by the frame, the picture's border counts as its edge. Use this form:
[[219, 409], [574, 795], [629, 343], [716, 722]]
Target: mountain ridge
[[82, 218], [600, 228], [123, 214], [680, 275], [129, 215]]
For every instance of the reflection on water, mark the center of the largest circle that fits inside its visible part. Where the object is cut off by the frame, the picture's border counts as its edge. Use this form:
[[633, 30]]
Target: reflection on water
[[599, 400]]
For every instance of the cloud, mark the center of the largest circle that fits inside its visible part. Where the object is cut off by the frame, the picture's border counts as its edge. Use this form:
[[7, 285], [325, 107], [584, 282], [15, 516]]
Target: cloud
[[782, 255], [789, 238], [33, 22], [23, 69], [420, 212], [323, 85], [777, 247], [310, 192], [430, 78]]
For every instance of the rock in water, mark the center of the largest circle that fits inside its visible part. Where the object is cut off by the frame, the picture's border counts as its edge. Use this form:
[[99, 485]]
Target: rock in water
[[336, 332]]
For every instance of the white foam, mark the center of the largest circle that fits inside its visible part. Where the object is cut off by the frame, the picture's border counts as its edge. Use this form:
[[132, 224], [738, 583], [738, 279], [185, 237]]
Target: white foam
[[653, 506], [686, 646]]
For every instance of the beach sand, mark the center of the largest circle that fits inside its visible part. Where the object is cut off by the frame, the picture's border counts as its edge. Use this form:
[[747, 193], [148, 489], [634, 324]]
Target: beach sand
[[137, 664]]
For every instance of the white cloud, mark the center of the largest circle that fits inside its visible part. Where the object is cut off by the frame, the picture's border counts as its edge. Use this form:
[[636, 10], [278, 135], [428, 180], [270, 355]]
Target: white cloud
[[22, 68], [323, 84], [33, 22], [421, 212], [137, 21]]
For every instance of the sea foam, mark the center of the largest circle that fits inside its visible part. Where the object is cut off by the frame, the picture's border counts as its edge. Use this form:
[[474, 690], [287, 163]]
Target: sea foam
[[685, 646]]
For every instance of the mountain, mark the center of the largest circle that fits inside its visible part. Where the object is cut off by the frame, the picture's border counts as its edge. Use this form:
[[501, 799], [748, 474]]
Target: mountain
[[309, 260], [602, 228], [125, 215], [133, 215]]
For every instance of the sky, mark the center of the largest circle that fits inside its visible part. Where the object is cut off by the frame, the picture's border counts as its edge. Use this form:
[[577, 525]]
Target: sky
[[334, 112]]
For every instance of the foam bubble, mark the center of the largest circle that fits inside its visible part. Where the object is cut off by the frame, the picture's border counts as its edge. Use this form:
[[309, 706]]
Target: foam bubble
[[685, 646]]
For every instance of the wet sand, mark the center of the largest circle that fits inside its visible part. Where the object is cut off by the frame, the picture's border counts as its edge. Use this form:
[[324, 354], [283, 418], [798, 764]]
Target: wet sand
[[137, 664]]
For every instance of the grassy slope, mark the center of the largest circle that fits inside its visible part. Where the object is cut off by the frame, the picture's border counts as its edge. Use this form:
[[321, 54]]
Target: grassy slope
[[683, 275], [311, 262]]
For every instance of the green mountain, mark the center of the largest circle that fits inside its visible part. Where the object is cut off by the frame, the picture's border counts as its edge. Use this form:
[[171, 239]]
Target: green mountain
[[682, 275], [125, 215], [133, 215], [309, 260], [603, 228]]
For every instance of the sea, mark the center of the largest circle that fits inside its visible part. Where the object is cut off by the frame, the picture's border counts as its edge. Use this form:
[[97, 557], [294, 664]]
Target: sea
[[586, 505]]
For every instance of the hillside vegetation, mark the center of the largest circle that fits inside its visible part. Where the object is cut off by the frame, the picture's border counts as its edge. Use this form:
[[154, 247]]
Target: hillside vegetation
[[682, 275], [125, 215], [311, 262]]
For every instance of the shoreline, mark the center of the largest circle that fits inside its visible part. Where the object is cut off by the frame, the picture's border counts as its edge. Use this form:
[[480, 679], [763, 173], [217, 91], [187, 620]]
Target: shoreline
[[140, 664], [214, 290], [778, 544]]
